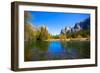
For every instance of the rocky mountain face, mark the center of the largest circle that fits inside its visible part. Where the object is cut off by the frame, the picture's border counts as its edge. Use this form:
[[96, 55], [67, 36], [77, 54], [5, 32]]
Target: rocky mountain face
[[84, 25]]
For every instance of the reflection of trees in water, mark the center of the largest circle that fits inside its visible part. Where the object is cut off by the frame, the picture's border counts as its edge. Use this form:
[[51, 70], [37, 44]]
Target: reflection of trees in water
[[34, 50], [38, 50], [83, 48]]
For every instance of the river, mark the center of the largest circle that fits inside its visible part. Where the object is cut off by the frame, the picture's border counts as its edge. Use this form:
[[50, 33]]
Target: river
[[56, 50]]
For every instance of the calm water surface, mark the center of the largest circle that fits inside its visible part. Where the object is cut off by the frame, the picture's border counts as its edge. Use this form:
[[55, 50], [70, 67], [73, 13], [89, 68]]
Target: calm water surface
[[56, 50]]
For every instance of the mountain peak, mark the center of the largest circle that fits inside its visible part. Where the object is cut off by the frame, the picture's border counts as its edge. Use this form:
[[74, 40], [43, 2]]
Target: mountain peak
[[83, 25]]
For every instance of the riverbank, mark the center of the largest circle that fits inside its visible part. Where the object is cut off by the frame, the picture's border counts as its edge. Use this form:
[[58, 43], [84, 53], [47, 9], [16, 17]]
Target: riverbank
[[72, 39]]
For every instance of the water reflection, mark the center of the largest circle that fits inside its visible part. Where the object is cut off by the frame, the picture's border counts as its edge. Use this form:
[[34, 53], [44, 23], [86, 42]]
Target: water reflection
[[56, 50]]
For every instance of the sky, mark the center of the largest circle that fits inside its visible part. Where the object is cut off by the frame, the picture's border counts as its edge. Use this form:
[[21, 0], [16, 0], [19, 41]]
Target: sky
[[55, 21]]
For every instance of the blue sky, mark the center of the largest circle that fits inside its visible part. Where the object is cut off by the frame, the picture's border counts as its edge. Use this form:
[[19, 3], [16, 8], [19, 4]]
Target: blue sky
[[55, 21]]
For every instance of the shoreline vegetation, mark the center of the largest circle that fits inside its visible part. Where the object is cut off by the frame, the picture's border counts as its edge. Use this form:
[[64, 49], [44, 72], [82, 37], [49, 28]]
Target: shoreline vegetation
[[68, 42], [72, 39], [79, 32]]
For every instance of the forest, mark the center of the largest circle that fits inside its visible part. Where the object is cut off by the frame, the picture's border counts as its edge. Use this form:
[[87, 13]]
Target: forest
[[70, 42], [41, 33]]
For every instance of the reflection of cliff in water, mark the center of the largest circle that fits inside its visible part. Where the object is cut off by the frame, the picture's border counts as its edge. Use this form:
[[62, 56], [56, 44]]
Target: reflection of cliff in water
[[56, 50], [83, 47]]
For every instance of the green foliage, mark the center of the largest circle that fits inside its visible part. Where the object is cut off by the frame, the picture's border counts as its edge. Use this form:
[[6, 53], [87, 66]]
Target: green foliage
[[29, 33], [42, 34], [35, 34], [62, 36], [55, 36], [79, 34]]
